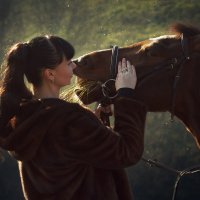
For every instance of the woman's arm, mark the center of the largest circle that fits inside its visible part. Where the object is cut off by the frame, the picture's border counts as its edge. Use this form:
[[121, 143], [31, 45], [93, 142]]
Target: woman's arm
[[90, 142]]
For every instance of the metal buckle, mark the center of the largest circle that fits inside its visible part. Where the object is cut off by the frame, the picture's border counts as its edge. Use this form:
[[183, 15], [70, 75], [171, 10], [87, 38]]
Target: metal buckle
[[105, 89]]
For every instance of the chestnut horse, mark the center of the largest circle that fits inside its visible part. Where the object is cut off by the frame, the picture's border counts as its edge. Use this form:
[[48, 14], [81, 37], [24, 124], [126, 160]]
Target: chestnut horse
[[168, 70]]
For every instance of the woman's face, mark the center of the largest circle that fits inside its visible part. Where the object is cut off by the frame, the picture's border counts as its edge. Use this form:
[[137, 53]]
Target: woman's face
[[63, 73]]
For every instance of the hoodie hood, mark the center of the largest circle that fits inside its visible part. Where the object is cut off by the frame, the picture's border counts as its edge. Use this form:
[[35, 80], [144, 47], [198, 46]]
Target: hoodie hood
[[24, 133]]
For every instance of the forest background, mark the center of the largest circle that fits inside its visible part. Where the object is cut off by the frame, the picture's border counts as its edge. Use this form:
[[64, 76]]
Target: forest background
[[97, 24]]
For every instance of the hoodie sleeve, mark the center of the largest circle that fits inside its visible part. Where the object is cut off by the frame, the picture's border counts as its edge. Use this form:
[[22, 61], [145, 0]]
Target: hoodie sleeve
[[90, 142]]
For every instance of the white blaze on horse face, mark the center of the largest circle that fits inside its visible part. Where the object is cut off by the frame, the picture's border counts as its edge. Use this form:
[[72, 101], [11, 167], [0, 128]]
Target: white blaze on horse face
[[156, 40], [90, 54], [80, 58], [162, 37]]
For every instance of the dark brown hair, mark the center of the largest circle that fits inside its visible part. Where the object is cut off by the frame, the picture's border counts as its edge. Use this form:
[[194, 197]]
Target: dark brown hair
[[29, 59]]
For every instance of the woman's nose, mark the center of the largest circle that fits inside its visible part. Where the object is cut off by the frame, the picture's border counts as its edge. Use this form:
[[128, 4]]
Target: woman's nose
[[74, 65]]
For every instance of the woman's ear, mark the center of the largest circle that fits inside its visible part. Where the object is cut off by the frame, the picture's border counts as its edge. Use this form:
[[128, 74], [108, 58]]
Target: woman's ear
[[48, 74]]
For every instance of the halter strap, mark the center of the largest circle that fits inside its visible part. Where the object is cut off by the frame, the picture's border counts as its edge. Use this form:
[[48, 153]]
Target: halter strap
[[106, 100], [113, 74], [184, 45], [185, 50], [114, 59]]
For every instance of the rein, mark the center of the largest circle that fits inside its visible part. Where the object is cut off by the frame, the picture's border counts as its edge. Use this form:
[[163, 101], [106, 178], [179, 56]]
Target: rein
[[179, 173]]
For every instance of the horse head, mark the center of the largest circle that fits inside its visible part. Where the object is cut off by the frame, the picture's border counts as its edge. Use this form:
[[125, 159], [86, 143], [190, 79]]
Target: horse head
[[167, 69]]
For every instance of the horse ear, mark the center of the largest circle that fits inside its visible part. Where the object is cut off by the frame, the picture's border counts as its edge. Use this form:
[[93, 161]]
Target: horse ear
[[195, 43]]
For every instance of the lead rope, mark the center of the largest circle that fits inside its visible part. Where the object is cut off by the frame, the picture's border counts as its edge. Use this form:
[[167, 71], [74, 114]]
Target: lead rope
[[180, 174]]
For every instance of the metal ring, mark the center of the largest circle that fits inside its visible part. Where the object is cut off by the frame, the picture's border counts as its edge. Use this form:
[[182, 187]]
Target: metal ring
[[104, 92]]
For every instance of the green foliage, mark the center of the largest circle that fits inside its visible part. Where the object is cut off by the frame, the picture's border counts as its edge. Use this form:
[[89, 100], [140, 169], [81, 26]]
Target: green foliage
[[90, 25]]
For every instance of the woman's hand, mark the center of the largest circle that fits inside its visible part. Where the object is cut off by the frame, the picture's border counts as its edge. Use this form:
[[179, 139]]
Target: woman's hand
[[126, 76], [100, 109]]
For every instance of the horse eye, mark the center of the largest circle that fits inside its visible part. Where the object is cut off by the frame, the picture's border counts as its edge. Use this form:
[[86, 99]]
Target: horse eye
[[148, 52], [84, 62], [154, 51], [165, 42]]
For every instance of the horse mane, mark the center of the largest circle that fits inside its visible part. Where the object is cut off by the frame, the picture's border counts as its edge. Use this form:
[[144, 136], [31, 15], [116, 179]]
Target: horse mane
[[187, 29]]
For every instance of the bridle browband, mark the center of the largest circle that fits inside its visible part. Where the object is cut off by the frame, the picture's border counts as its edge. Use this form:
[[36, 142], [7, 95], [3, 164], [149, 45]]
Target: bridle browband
[[172, 63]]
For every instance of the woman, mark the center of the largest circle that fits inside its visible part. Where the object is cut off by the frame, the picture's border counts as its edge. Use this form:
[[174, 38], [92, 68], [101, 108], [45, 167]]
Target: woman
[[63, 150]]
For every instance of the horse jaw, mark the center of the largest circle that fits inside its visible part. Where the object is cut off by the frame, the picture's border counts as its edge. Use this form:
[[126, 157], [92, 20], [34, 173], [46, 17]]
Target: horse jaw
[[194, 129], [192, 126], [189, 115]]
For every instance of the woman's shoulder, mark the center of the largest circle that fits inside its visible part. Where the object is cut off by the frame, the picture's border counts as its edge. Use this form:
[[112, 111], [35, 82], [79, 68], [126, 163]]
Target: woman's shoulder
[[69, 110], [55, 107], [62, 104]]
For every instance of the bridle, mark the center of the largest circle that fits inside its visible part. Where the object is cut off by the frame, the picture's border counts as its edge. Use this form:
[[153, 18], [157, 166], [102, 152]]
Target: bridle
[[172, 63]]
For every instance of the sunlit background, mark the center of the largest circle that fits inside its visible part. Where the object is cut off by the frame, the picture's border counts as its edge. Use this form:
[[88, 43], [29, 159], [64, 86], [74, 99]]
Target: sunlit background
[[97, 24]]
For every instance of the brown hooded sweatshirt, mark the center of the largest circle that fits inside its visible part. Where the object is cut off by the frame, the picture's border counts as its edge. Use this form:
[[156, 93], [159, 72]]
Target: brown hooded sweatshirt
[[65, 153]]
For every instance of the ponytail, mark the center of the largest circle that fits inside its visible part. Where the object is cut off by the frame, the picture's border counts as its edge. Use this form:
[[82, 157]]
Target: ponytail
[[14, 88], [29, 59]]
